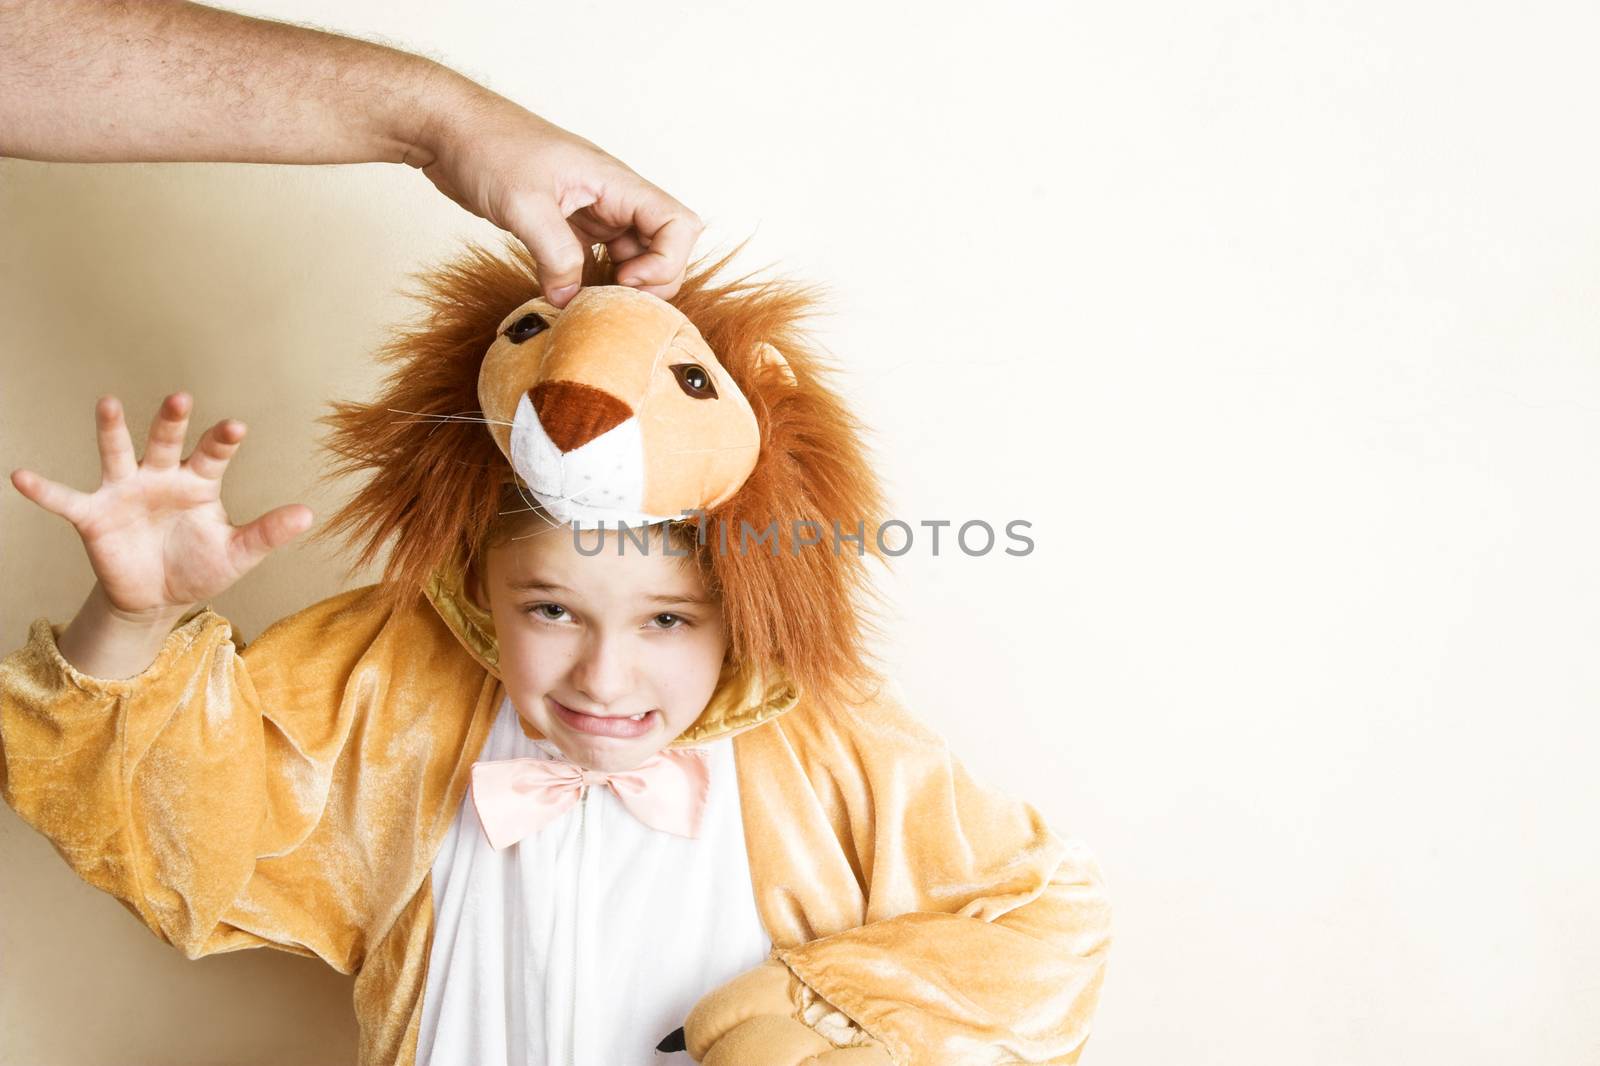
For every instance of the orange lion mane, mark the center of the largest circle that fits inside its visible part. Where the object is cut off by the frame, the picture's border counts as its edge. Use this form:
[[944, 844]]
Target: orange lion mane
[[435, 478]]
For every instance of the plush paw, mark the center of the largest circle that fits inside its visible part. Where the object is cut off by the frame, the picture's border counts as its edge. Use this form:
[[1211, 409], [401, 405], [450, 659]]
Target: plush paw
[[769, 989], [753, 1020], [773, 1040], [768, 1040], [869, 1054]]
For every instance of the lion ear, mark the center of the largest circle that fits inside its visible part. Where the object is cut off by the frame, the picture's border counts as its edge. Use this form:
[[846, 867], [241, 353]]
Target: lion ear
[[767, 355]]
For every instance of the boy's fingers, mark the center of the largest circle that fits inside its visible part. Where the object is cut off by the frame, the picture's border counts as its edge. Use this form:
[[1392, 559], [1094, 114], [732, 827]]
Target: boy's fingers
[[210, 457], [252, 543], [55, 498], [165, 447], [539, 224], [117, 460]]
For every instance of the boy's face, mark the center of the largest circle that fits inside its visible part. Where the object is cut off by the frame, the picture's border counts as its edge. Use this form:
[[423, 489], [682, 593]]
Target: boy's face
[[587, 641]]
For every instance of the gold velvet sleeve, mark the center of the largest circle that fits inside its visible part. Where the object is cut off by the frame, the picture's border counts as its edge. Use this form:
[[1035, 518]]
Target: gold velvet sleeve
[[984, 935], [221, 795]]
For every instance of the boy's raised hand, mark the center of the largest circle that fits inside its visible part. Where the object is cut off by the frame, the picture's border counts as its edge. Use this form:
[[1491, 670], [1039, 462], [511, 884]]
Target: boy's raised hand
[[155, 530]]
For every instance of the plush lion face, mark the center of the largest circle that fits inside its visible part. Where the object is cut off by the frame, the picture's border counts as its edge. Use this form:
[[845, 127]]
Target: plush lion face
[[615, 409]]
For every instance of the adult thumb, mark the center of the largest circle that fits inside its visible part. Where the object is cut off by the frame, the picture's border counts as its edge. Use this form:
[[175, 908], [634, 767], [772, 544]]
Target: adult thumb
[[538, 223]]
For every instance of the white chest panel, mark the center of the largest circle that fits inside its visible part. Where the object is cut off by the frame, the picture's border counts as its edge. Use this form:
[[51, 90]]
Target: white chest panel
[[588, 942]]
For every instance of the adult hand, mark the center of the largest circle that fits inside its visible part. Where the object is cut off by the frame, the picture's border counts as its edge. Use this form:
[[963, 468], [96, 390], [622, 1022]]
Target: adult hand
[[87, 81], [558, 193]]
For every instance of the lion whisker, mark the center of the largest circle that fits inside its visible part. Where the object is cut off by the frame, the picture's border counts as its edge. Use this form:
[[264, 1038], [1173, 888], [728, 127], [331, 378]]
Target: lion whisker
[[465, 416]]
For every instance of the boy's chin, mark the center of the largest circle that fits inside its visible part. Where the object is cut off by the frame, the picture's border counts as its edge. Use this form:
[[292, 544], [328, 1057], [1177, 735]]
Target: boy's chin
[[606, 754]]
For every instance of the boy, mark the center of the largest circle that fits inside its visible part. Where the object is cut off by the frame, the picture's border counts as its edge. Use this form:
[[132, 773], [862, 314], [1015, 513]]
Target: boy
[[573, 799]]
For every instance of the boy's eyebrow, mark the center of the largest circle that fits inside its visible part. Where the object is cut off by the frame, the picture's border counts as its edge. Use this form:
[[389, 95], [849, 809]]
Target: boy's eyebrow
[[677, 599], [533, 584]]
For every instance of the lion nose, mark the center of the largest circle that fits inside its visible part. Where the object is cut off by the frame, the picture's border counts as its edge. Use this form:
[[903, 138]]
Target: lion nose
[[573, 414]]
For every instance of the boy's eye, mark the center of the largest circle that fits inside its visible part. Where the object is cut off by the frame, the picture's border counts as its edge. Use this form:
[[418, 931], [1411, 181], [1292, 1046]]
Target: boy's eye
[[667, 620], [550, 612]]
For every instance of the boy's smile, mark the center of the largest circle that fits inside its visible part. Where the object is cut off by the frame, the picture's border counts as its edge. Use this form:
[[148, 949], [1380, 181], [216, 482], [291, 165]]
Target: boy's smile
[[610, 656], [603, 725]]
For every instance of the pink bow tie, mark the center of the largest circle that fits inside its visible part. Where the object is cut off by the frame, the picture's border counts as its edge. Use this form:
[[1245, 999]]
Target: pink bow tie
[[518, 797]]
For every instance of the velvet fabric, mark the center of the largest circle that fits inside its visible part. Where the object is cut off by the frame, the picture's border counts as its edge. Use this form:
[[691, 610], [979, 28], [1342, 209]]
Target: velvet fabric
[[757, 1017], [293, 794]]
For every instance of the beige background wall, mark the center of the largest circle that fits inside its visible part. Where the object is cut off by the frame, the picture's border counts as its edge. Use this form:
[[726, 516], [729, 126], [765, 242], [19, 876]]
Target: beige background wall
[[1278, 323]]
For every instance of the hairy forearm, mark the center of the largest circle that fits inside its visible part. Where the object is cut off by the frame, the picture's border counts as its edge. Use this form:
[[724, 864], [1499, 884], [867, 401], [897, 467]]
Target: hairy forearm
[[104, 642], [161, 80]]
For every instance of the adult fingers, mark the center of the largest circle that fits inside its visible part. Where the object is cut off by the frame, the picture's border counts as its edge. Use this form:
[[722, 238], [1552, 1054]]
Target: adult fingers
[[538, 223], [253, 542], [53, 497], [670, 230], [626, 247], [589, 237], [117, 460], [165, 446], [621, 242], [590, 258], [592, 229], [217, 445]]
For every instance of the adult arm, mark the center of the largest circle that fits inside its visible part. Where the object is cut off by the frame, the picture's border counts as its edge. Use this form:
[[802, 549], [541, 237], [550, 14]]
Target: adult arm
[[167, 81]]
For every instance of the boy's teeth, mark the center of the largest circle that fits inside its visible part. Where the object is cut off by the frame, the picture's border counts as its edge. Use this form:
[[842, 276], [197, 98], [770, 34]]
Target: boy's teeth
[[637, 717]]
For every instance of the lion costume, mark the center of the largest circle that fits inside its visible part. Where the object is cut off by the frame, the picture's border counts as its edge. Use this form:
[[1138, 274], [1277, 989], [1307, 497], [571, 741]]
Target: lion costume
[[297, 793]]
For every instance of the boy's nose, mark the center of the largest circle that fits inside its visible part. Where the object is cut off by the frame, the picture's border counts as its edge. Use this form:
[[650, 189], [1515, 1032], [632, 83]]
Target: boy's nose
[[573, 414], [601, 675]]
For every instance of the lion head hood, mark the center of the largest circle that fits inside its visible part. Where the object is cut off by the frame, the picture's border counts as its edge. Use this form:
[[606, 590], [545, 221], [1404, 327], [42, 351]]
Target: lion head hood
[[622, 407]]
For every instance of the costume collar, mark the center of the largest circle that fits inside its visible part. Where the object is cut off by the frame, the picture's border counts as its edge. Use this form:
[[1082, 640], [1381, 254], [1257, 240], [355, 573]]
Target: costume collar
[[739, 702]]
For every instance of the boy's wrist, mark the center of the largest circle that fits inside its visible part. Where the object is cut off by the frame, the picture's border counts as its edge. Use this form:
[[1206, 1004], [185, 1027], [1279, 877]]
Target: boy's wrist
[[106, 642], [156, 618]]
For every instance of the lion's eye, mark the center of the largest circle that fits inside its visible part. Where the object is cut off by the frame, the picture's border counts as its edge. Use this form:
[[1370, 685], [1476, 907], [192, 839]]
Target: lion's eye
[[693, 379], [529, 325]]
